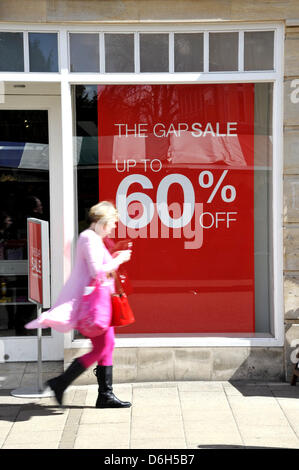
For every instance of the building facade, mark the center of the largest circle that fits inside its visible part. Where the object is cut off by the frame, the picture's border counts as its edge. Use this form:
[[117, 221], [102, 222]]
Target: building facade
[[186, 115]]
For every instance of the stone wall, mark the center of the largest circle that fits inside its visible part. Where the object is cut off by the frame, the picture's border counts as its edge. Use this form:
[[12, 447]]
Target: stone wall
[[183, 364], [147, 10], [291, 193]]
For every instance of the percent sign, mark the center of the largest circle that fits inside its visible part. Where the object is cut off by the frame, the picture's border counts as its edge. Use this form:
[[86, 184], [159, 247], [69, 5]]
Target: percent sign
[[210, 181]]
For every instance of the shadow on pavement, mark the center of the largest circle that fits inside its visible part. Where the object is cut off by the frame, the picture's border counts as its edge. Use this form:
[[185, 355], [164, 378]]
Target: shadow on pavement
[[20, 411], [262, 389], [23, 412]]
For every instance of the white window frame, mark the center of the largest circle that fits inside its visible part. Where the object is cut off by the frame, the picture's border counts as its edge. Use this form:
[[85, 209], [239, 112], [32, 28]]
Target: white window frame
[[16, 347], [68, 79]]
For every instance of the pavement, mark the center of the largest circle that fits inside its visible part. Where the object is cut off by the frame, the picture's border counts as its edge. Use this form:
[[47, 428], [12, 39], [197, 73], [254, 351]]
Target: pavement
[[164, 415]]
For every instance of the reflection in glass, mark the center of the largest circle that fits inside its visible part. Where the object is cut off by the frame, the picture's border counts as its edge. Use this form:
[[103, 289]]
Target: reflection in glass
[[258, 50], [43, 52], [11, 52], [154, 55], [223, 52], [188, 52], [84, 52], [24, 192], [210, 140], [119, 53]]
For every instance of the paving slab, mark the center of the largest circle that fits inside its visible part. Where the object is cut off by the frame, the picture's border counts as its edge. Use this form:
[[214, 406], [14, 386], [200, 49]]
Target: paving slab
[[152, 428], [32, 445], [208, 433], [156, 410], [94, 416], [41, 438], [200, 386], [100, 435], [158, 444], [218, 416]]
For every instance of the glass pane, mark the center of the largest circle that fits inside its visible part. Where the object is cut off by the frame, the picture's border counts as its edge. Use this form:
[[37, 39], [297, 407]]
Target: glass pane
[[258, 50], [263, 194], [43, 52], [188, 52], [119, 53], [11, 52], [154, 54], [196, 162], [223, 52], [24, 192], [84, 53]]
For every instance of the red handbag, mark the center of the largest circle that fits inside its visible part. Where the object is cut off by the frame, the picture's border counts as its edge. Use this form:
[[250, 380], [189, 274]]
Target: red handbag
[[122, 314]]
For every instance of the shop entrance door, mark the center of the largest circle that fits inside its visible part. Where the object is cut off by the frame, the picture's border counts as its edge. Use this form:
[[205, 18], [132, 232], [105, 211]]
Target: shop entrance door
[[28, 143]]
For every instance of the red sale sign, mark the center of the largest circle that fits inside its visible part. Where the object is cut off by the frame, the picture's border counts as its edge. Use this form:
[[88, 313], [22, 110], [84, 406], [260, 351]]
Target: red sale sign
[[38, 262], [178, 161]]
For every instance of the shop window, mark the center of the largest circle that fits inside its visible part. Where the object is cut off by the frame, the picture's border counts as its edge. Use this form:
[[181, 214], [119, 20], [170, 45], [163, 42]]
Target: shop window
[[223, 52], [190, 169], [11, 52], [154, 55], [119, 53], [24, 192], [84, 52], [258, 50], [158, 54], [43, 52], [188, 52]]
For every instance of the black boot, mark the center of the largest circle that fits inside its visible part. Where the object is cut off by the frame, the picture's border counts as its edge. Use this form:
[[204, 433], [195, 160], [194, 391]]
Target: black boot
[[106, 397], [60, 383]]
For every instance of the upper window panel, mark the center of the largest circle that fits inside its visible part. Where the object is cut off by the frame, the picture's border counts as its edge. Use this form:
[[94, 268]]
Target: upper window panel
[[223, 52], [139, 52], [119, 53], [259, 50], [84, 52], [188, 52], [154, 52], [43, 52], [11, 52]]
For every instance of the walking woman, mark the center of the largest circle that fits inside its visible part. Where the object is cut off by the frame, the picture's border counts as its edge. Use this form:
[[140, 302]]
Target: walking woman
[[92, 260]]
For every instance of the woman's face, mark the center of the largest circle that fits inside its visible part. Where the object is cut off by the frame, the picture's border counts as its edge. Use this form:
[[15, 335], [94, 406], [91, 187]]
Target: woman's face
[[106, 229], [110, 226]]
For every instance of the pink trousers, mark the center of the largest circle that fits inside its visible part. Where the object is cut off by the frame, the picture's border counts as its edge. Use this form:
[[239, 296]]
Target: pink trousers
[[102, 350]]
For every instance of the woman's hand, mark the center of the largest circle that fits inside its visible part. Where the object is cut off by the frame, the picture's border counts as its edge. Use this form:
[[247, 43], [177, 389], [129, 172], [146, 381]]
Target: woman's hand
[[123, 256], [122, 245]]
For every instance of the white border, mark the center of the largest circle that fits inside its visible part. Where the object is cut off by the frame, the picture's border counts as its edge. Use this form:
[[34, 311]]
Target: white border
[[276, 77], [46, 301]]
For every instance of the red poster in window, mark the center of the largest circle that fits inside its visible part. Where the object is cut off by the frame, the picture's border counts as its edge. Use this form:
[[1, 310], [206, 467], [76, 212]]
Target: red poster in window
[[178, 160], [38, 262], [35, 262]]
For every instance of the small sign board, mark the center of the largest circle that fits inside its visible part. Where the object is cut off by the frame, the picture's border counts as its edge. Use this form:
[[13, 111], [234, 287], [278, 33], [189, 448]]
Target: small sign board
[[38, 262]]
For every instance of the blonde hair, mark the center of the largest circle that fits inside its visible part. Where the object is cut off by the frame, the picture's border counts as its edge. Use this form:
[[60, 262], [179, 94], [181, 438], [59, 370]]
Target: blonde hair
[[102, 212]]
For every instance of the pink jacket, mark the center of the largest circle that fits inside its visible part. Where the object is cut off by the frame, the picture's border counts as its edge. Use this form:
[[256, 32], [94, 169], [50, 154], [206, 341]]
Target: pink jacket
[[92, 260]]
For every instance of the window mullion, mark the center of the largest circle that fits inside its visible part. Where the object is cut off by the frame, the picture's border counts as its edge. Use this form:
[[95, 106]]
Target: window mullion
[[241, 52], [64, 51], [137, 52], [26, 52], [102, 52], [171, 52], [206, 51]]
